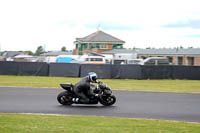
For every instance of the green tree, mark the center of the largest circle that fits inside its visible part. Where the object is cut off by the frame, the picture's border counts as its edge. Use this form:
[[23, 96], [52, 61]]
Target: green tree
[[30, 52], [63, 49], [40, 50]]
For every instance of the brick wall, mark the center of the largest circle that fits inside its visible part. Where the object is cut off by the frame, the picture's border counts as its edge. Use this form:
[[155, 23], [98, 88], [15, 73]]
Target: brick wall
[[197, 61], [185, 60], [174, 60]]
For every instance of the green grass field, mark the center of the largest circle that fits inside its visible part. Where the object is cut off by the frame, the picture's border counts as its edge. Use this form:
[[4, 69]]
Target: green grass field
[[186, 86], [19, 123]]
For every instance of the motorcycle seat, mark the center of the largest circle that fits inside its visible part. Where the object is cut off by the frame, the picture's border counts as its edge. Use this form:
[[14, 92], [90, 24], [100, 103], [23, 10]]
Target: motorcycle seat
[[67, 86]]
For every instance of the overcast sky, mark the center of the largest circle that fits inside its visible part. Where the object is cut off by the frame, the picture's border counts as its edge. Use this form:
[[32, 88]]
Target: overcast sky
[[27, 24]]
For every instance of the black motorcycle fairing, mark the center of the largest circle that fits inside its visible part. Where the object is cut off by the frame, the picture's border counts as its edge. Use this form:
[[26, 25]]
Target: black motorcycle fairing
[[93, 101], [107, 92], [105, 89]]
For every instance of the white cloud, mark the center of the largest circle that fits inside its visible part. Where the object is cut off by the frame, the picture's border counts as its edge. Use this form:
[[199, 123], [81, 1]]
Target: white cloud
[[26, 24]]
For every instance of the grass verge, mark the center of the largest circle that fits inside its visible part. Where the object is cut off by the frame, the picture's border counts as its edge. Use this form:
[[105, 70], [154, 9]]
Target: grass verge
[[20, 123], [186, 86]]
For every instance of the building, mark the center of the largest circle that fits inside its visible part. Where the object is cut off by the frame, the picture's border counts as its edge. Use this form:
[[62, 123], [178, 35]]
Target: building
[[9, 55], [97, 42], [190, 56]]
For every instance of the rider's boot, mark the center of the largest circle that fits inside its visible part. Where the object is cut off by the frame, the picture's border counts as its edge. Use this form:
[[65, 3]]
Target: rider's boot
[[75, 100]]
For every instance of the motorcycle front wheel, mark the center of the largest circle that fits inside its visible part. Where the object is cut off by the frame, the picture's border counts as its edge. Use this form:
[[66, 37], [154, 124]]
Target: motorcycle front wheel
[[64, 98], [107, 100]]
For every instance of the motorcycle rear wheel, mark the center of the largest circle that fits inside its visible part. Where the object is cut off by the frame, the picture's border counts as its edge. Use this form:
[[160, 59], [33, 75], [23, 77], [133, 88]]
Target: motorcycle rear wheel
[[64, 98], [107, 100]]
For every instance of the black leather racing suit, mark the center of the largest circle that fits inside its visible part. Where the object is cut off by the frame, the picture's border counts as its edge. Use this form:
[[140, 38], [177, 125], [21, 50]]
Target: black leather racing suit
[[82, 88]]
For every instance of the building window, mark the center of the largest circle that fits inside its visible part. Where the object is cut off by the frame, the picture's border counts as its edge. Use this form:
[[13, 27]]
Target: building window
[[103, 46], [190, 61], [85, 46], [99, 46], [170, 59], [180, 60], [117, 46], [80, 52], [79, 46], [95, 45]]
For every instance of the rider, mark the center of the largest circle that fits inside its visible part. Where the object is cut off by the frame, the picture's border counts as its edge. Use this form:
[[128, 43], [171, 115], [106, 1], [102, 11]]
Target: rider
[[83, 87]]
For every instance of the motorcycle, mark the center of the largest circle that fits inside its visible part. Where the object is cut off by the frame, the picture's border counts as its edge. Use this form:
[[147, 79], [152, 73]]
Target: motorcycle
[[105, 95]]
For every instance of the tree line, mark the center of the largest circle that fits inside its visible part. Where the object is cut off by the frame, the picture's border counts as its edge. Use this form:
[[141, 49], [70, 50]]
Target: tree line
[[40, 50]]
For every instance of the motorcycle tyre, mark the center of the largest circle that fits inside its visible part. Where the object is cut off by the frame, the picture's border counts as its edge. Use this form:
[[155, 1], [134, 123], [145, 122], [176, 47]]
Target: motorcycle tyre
[[66, 94], [105, 103]]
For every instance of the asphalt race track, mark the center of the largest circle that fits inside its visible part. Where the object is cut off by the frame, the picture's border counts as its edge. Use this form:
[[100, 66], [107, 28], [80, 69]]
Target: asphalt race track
[[132, 104]]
